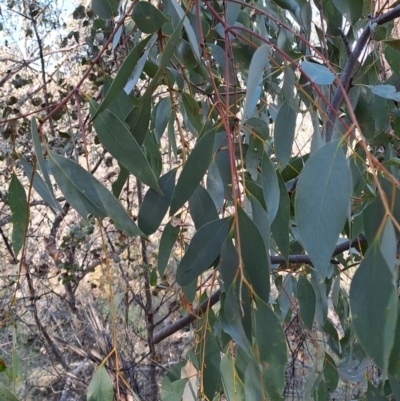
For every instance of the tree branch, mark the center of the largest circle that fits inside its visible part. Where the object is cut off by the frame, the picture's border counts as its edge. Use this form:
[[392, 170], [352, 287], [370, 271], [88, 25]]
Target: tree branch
[[214, 298], [349, 68]]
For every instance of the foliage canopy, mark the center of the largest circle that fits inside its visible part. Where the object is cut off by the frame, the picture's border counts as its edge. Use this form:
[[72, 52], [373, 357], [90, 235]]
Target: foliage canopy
[[204, 104]]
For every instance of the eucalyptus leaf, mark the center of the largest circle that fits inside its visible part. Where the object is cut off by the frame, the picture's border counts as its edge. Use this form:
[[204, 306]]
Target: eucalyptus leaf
[[319, 74], [116, 138], [87, 195], [193, 171], [147, 17], [322, 202], [203, 250], [20, 213], [100, 387]]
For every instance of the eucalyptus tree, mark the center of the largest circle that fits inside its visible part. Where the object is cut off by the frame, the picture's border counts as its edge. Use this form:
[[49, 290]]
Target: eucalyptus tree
[[280, 235]]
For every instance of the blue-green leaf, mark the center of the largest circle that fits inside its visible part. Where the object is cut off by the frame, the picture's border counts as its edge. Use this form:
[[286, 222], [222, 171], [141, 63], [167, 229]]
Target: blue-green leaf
[[167, 241], [123, 74], [322, 202], [270, 186], [193, 171], [155, 206], [253, 383], [116, 138], [280, 225], [374, 303], [285, 126], [19, 210], [6, 394], [147, 17], [87, 195], [233, 387], [351, 10], [385, 91], [39, 185], [306, 297], [254, 254], [41, 162], [272, 351], [105, 9], [319, 74], [100, 387], [203, 250], [202, 208], [231, 321], [259, 63]]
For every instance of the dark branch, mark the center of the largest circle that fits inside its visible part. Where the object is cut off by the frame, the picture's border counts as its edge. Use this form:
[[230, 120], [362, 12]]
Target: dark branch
[[214, 298], [349, 68], [189, 318]]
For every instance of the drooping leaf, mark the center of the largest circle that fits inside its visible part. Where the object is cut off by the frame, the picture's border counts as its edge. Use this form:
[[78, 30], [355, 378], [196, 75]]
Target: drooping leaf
[[285, 126], [203, 250], [331, 375], [39, 185], [212, 360], [173, 391], [165, 59], [215, 185], [147, 17], [119, 183], [230, 317], [40, 160], [294, 168], [154, 205], [193, 111], [253, 383], [117, 139], [285, 294], [270, 185], [188, 28], [321, 299], [163, 114], [233, 387], [319, 74], [253, 156], [100, 387], [19, 210], [350, 9], [167, 241], [253, 190], [322, 201], [260, 218], [374, 303], [257, 126], [105, 9], [306, 297], [141, 117], [394, 360], [272, 350], [122, 104], [254, 254], [202, 208], [385, 91], [185, 55], [6, 394], [373, 394], [280, 225], [193, 171], [123, 74], [259, 63], [87, 195], [229, 263]]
